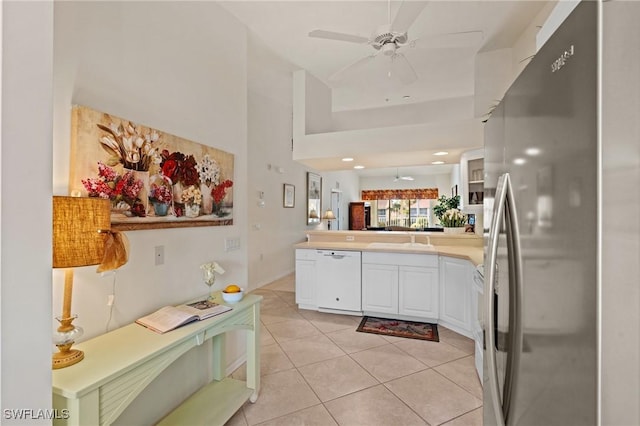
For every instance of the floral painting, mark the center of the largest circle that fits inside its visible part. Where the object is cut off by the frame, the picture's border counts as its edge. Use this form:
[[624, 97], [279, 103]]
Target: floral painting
[[153, 179]]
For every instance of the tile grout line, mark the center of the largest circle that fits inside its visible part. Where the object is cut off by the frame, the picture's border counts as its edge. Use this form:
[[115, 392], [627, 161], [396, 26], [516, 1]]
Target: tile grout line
[[460, 347]]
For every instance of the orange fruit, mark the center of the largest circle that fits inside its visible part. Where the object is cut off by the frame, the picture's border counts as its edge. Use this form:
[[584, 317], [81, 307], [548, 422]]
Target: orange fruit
[[232, 288]]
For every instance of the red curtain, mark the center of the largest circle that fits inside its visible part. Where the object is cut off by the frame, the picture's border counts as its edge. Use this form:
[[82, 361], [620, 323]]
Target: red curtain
[[400, 194]]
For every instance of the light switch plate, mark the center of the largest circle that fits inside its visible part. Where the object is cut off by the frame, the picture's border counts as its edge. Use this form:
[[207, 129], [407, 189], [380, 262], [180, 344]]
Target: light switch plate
[[231, 243]]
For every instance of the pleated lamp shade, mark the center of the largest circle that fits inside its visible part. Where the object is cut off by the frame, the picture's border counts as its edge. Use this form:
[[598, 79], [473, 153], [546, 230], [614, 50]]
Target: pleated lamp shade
[[77, 226]]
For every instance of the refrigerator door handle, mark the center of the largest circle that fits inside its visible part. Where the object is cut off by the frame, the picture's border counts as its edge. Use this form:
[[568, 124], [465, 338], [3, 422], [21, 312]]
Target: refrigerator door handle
[[492, 254], [515, 302], [504, 205]]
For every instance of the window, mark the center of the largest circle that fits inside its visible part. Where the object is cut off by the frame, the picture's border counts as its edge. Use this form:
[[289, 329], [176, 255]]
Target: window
[[400, 207], [397, 212]]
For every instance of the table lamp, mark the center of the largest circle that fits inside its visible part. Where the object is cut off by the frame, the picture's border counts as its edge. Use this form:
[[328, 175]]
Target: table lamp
[[81, 231], [329, 216]]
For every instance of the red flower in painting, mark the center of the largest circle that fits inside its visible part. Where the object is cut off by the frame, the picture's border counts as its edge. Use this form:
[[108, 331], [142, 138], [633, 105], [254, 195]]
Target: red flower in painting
[[115, 187], [190, 175], [179, 167], [169, 168], [219, 191]]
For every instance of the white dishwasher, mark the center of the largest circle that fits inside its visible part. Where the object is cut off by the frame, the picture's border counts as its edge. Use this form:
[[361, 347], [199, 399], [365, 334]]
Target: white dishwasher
[[339, 281]]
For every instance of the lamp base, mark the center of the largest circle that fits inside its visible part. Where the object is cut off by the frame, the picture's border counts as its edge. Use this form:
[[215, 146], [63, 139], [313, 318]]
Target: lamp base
[[66, 357]]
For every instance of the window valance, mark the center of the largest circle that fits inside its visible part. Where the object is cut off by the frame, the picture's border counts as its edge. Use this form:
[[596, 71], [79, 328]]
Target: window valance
[[400, 194]]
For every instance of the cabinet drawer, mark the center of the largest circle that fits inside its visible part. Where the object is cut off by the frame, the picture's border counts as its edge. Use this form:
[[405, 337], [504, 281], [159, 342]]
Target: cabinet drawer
[[401, 259], [305, 254]]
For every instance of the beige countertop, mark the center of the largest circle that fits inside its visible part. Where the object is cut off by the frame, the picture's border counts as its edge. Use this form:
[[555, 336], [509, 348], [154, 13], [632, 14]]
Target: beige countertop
[[472, 253]]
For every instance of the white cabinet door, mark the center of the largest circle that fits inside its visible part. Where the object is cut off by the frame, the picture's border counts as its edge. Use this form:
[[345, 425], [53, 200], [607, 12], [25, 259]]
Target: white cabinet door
[[306, 278], [455, 293], [418, 292], [380, 288]]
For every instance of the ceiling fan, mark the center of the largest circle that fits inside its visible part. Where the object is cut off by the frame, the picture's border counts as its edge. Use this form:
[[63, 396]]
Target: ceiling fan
[[398, 177], [393, 36]]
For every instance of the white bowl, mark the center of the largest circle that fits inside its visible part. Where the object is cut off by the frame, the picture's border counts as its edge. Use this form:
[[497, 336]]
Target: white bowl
[[233, 297]]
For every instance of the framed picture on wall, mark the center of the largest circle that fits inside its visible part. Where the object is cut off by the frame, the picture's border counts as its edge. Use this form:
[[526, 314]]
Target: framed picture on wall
[[152, 178], [289, 195], [314, 196]]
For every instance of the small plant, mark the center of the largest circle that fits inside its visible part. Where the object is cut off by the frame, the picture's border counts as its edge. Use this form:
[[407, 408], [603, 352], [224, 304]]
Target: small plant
[[445, 203], [453, 218]]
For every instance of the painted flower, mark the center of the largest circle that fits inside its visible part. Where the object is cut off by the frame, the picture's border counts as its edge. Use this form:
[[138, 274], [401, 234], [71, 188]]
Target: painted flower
[[209, 171], [219, 191], [120, 189], [191, 195], [160, 194], [179, 167], [129, 145]]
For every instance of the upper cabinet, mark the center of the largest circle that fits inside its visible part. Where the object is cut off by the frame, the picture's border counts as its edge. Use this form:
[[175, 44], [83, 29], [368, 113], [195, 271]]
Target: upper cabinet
[[472, 180]]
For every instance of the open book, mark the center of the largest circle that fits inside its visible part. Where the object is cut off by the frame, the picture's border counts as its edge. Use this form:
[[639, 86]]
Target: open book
[[171, 317]]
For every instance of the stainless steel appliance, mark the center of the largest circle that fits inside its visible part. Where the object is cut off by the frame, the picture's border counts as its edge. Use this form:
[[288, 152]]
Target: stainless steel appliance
[[541, 244]]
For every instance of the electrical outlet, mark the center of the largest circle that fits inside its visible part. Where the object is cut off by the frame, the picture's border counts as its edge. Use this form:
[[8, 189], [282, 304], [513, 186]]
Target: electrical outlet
[[350, 238], [159, 255]]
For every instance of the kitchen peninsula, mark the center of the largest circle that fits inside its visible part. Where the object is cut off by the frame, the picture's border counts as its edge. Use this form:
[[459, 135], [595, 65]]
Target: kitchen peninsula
[[418, 276]]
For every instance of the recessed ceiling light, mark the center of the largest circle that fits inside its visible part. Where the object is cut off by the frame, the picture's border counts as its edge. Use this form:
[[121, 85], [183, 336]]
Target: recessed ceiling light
[[437, 162], [358, 167], [519, 161], [347, 159], [532, 151], [440, 153], [405, 97]]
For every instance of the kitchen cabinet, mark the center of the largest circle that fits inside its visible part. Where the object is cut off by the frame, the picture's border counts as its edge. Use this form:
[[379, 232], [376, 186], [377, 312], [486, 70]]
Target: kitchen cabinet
[[306, 280], [472, 181], [456, 284], [418, 291], [338, 285], [379, 287], [357, 216], [400, 285], [477, 318]]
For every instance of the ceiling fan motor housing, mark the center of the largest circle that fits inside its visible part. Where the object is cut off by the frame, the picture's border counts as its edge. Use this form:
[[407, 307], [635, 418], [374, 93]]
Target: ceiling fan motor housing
[[388, 40]]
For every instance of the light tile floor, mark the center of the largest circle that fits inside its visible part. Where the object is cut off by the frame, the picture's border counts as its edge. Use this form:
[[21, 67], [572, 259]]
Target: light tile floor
[[317, 370]]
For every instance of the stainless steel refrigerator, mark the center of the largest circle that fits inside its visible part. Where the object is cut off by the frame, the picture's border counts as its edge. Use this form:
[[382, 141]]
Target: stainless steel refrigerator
[[541, 236]]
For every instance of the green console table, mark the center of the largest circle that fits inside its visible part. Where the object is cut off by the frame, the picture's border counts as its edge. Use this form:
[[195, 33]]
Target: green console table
[[120, 364]]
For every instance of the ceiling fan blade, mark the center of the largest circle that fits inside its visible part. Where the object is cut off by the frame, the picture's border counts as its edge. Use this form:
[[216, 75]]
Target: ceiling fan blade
[[402, 69], [351, 68], [406, 178], [331, 35], [407, 14], [449, 41]]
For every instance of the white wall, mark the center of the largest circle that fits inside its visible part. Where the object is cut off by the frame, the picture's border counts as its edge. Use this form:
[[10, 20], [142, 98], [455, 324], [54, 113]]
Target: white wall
[[25, 227], [180, 68], [620, 245], [273, 229], [399, 115]]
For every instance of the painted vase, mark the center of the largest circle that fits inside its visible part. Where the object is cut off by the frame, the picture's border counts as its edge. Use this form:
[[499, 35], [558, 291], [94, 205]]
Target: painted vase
[[192, 210], [160, 209]]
